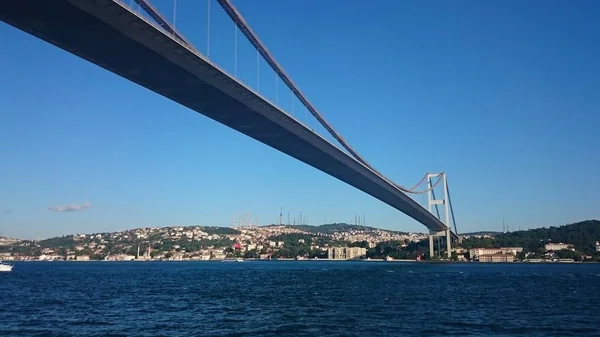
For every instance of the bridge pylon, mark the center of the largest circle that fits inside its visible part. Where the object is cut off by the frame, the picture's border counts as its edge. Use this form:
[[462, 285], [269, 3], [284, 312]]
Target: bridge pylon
[[432, 203]]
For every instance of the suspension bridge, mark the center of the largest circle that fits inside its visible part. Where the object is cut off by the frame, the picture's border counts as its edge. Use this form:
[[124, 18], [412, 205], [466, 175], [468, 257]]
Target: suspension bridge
[[164, 61]]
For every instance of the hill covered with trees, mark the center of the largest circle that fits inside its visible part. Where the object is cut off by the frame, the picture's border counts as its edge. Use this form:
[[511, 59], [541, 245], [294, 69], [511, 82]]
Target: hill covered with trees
[[583, 235]]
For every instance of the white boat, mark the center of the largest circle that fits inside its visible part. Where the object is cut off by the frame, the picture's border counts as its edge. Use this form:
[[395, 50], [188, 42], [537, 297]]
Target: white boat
[[5, 267]]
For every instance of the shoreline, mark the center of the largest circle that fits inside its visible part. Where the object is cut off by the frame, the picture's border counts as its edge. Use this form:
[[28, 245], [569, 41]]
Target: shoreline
[[313, 260]]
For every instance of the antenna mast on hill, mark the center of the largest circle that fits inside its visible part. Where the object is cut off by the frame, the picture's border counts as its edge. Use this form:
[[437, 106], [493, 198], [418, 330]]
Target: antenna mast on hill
[[280, 215]]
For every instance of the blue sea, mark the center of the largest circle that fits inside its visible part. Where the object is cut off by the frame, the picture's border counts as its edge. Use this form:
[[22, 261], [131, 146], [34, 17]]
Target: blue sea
[[299, 298]]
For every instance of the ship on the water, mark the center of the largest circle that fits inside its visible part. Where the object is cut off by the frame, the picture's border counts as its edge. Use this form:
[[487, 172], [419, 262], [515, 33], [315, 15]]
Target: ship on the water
[[5, 266]]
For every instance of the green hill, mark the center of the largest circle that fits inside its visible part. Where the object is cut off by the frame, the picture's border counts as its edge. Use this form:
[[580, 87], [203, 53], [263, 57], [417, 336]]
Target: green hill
[[492, 233], [583, 235]]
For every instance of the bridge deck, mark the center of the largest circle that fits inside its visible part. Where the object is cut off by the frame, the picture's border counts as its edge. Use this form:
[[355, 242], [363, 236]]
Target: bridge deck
[[108, 34]]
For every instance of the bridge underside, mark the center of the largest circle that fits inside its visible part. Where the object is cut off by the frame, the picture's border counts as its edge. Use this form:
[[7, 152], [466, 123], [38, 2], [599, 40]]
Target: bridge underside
[[107, 34]]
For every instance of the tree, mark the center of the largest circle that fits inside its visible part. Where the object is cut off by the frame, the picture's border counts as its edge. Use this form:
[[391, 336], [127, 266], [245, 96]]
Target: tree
[[97, 257], [251, 254], [363, 244], [568, 254]]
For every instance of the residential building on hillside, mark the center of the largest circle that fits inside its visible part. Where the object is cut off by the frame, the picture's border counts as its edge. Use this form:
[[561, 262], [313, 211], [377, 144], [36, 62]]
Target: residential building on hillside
[[7, 241], [558, 246]]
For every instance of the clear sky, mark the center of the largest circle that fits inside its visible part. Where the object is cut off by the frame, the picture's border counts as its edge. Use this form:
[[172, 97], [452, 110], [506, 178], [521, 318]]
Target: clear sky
[[502, 95]]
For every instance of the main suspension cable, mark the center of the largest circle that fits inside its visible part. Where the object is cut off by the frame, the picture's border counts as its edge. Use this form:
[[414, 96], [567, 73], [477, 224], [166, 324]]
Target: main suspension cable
[[239, 20], [451, 208], [147, 7]]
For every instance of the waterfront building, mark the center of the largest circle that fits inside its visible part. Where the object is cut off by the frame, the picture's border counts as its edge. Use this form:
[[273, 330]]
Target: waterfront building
[[346, 253], [217, 255], [52, 257], [498, 257], [476, 252], [120, 257]]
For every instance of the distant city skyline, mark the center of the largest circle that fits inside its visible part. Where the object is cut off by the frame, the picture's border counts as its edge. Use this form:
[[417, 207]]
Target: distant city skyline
[[500, 95]]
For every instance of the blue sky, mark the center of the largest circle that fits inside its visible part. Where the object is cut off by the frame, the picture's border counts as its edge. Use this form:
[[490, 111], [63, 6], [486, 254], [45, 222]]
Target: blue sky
[[502, 95]]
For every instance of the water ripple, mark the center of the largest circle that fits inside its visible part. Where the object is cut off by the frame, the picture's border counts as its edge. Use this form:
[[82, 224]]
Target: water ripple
[[298, 299]]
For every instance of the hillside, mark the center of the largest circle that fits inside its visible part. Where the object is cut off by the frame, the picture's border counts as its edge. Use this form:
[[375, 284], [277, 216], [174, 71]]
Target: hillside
[[492, 233], [210, 230], [583, 235], [7, 241], [203, 242], [337, 227]]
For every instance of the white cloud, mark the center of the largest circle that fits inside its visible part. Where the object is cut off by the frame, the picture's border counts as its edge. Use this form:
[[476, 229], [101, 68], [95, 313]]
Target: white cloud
[[71, 208]]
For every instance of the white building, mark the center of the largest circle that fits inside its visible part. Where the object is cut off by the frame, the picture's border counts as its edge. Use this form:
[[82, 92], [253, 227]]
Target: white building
[[346, 253], [475, 252], [558, 246], [120, 257], [45, 257], [217, 255]]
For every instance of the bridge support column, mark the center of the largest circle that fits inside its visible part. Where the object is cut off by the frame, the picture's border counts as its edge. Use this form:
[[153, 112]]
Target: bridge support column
[[432, 203], [448, 243], [433, 234], [431, 252]]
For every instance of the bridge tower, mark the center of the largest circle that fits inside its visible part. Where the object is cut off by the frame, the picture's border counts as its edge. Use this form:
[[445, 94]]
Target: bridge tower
[[432, 203]]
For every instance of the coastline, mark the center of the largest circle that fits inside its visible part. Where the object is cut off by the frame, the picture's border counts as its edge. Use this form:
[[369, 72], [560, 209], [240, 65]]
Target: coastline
[[315, 260]]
